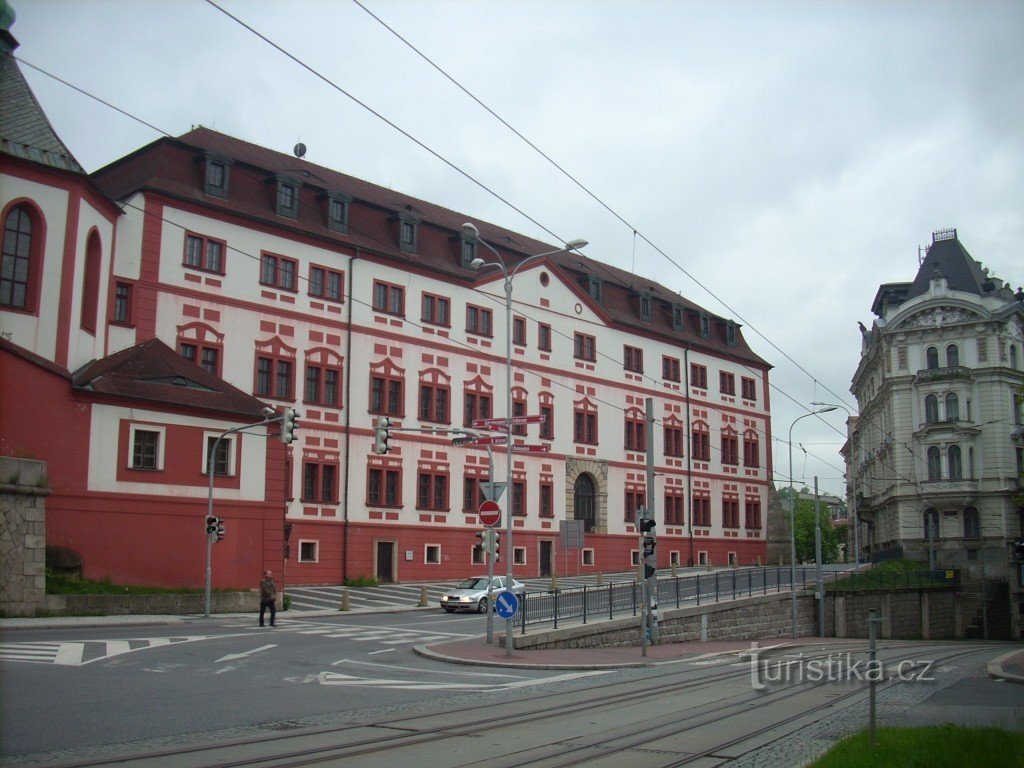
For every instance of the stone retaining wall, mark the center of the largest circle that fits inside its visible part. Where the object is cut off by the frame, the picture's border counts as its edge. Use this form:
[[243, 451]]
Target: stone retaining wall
[[23, 492], [148, 605]]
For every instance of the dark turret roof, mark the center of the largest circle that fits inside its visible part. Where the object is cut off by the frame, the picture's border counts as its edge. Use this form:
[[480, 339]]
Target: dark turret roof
[[948, 258]]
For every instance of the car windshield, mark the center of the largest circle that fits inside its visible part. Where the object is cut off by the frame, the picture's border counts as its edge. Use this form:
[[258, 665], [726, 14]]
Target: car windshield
[[477, 583]]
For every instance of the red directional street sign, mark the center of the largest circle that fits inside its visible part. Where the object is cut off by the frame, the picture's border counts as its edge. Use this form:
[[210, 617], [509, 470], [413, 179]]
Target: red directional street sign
[[490, 513], [531, 449], [495, 440]]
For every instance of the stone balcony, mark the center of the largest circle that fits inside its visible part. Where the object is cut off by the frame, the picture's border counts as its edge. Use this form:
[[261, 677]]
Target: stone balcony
[[942, 374]]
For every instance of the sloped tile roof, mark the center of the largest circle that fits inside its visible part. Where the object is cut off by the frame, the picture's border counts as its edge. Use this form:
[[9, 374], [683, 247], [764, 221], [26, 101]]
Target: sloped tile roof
[[155, 373], [24, 129], [174, 168]]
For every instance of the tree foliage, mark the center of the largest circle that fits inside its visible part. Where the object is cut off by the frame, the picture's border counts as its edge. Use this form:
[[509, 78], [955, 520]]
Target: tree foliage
[[830, 537]]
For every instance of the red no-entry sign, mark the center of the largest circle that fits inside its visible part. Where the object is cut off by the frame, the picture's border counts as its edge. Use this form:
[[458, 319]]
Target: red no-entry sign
[[490, 513]]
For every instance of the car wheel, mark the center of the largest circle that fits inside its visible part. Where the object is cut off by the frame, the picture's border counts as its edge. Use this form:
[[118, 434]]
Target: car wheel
[[447, 609], [482, 605]]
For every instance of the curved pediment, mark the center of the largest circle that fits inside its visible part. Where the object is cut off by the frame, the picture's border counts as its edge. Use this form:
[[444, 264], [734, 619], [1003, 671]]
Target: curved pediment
[[936, 317]]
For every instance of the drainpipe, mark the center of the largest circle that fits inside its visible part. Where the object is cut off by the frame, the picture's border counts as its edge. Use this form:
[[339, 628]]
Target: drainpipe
[[348, 421], [688, 447]]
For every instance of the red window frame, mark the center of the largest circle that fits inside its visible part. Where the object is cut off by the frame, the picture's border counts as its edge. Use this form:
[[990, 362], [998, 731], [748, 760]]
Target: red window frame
[[752, 510], [584, 347], [432, 489], [273, 273], [319, 481], [748, 388], [700, 442], [205, 253], [388, 298], [479, 321], [702, 511], [730, 448], [320, 286], [726, 383], [436, 310], [635, 428], [384, 487], [674, 439], [730, 513], [670, 368], [698, 376], [632, 359], [751, 451], [674, 507]]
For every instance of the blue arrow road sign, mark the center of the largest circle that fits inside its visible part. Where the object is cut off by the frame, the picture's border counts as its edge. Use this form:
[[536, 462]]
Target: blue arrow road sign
[[506, 604]]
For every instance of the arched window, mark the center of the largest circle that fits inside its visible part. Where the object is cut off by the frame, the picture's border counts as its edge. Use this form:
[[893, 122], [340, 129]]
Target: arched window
[[931, 409], [952, 356], [91, 282], [972, 523], [22, 261], [931, 523], [952, 407], [932, 358], [934, 464], [585, 502], [954, 465]]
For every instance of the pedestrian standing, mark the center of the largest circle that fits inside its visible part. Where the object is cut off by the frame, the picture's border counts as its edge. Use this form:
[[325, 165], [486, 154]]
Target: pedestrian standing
[[268, 597]]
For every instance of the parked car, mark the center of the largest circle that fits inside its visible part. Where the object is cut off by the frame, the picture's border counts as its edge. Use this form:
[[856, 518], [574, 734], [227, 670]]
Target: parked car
[[471, 595]]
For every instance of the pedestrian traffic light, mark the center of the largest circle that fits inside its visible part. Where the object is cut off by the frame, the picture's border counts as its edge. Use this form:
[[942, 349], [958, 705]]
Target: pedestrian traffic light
[[211, 525], [382, 436], [220, 529], [289, 423]]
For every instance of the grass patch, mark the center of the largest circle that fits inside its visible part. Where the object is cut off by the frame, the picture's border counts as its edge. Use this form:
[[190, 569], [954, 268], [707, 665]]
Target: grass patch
[[361, 581], [944, 746], [892, 574], [64, 584]]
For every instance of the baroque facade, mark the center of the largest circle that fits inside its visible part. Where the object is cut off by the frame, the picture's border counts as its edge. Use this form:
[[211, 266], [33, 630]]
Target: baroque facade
[[299, 286], [936, 452]]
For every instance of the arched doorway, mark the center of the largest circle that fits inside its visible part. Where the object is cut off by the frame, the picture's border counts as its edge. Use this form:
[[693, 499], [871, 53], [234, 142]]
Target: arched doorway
[[585, 501]]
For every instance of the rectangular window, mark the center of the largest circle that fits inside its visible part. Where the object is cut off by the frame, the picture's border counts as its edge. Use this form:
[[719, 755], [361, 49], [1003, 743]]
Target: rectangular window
[[751, 452], [204, 253], [475, 406], [543, 337], [752, 507], [407, 235], [674, 508], [634, 501], [547, 427], [547, 505], [122, 314], [478, 320], [386, 396], [273, 378], [318, 482], [698, 376], [326, 283], [670, 368], [287, 199], [730, 450], [216, 182], [701, 445], [433, 403], [307, 551], [519, 499], [431, 554], [730, 514], [585, 427], [432, 491], [278, 272], [726, 383], [145, 449], [221, 460], [388, 298], [337, 212], [436, 310], [633, 359], [702, 511], [518, 330], [584, 347], [208, 360], [748, 388], [471, 494], [673, 441], [635, 439], [383, 488]]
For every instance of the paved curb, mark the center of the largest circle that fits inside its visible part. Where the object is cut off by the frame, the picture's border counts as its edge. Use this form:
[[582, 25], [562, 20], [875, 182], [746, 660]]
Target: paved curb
[[427, 652]]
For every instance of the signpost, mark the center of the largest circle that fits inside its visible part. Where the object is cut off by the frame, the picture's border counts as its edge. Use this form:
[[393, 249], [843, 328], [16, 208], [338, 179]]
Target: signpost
[[503, 423], [492, 491], [490, 513], [531, 449], [507, 605]]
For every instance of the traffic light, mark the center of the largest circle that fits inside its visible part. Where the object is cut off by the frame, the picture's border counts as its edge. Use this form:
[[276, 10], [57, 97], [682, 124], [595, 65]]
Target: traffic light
[[211, 525], [382, 437], [1018, 550], [488, 541], [647, 525], [495, 544], [220, 529], [649, 545], [649, 571], [289, 423]]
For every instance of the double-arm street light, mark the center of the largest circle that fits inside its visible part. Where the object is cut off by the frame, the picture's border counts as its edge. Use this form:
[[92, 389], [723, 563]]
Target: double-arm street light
[[853, 483], [471, 233], [792, 512]]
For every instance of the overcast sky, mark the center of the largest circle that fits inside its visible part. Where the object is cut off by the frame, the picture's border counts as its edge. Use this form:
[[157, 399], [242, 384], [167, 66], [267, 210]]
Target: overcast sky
[[788, 157]]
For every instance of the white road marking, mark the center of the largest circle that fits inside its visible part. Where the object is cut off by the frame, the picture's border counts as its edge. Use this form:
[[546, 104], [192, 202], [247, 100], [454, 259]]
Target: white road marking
[[245, 654]]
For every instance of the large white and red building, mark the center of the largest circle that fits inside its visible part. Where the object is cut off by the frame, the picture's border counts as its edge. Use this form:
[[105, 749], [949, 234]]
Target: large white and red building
[[294, 285]]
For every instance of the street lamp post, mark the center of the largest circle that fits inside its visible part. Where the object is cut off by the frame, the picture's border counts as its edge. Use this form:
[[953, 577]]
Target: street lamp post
[[792, 514], [472, 233], [853, 483]]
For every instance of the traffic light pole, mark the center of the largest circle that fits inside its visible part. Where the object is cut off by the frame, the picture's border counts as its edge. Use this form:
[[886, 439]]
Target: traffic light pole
[[210, 461]]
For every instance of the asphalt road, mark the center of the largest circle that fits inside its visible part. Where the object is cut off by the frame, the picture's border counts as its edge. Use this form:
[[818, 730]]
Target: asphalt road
[[82, 688]]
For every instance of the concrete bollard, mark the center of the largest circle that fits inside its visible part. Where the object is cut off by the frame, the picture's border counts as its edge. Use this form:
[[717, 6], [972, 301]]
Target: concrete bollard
[[758, 561], [344, 600], [600, 579], [554, 585], [423, 597], [710, 566], [675, 572]]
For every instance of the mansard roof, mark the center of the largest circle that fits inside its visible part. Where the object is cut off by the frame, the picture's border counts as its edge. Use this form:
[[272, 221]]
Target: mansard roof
[[173, 167], [155, 373], [947, 257]]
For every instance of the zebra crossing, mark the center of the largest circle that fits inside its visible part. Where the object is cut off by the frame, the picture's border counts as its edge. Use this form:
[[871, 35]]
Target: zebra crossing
[[81, 653]]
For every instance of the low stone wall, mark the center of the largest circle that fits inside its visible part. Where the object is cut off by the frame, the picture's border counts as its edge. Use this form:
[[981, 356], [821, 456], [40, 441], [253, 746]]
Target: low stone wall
[[911, 614], [148, 605], [751, 618], [23, 492]]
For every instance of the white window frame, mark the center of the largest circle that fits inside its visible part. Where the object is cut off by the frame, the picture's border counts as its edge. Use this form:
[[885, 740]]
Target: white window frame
[[634, 557], [161, 445], [316, 550], [702, 557], [519, 555], [427, 548], [587, 557], [673, 558], [206, 453]]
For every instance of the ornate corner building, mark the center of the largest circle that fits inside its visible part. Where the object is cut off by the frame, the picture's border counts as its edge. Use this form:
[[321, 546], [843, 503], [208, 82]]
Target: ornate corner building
[[936, 454]]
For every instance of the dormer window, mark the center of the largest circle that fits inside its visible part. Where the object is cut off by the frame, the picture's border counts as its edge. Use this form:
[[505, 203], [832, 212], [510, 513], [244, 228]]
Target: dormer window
[[407, 233], [705, 325], [594, 285], [287, 197], [217, 175], [645, 307], [730, 333], [337, 211], [677, 317], [468, 250]]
